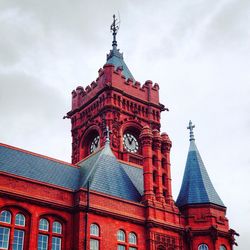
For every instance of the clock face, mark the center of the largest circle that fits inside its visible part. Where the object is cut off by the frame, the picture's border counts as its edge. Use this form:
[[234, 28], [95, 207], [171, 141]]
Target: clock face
[[130, 143], [95, 144]]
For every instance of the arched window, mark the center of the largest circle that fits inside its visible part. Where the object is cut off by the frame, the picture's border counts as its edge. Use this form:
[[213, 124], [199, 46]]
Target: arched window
[[12, 230], [43, 225], [121, 238], [132, 240], [5, 217], [50, 234], [130, 243], [20, 220], [203, 247], [94, 237], [222, 247], [57, 227]]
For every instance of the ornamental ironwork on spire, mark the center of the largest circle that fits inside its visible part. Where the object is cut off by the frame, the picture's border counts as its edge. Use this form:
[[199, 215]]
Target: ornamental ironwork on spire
[[115, 57], [114, 29], [191, 133]]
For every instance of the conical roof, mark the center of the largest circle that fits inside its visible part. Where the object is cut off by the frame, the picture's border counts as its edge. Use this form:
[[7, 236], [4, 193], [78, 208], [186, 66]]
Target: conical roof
[[196, 187], [105, 174]]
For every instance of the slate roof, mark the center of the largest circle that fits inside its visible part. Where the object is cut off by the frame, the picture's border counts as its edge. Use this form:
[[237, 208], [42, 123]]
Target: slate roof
[[107, 175], [35, 167], [196, 187], [102, 170], [116, 58]]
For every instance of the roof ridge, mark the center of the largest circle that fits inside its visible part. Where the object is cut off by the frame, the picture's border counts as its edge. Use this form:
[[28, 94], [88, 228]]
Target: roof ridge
[[92, 170], [37, 154]]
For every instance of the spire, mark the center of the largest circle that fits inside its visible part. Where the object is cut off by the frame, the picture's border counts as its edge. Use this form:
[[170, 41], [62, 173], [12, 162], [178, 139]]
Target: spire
[[196, 187], [115, 57]]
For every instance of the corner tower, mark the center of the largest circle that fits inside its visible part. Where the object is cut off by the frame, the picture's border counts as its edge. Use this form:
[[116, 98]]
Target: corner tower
[[115, 99], [204, 213]]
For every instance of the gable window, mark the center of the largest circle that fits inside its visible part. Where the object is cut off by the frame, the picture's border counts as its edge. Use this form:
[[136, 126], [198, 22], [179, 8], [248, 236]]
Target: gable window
[[94, 237], [50, 234], [12, 222], [203, 247]]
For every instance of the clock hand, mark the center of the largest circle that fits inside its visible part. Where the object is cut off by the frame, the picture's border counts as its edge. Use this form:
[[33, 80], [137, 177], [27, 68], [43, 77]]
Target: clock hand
[[130, 140]]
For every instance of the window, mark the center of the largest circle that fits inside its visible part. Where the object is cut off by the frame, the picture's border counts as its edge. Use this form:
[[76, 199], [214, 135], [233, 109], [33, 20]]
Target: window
[[57, 227], [131, 244], [56, 243], [222, 247], [94, 230], [4, 237], [50, 234], [94, 244], [132, 239], [18, 239], [121, 247], [203, 247], [15, 227], [42, 242], [94, 237], [5, 217], [44, 225], [121, 236], [20, 220]]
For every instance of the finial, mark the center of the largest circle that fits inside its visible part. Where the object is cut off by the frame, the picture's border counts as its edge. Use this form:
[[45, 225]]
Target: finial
[[191, 127], [114, 28], [108, 132]]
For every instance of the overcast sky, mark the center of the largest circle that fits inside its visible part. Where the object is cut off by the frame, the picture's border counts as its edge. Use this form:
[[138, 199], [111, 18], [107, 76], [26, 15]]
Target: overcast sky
[[197, 50]]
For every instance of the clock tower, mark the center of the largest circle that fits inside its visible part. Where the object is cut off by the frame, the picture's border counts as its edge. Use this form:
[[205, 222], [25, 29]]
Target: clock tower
[[131, 111]]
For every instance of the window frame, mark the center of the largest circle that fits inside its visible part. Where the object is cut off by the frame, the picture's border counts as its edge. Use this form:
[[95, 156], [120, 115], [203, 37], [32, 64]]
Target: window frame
[[14, 227], [51, 233], [95, 236], [127, 243]]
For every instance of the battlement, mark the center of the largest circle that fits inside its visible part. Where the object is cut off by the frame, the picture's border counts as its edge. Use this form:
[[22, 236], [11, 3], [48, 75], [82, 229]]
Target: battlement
[[109, 77]]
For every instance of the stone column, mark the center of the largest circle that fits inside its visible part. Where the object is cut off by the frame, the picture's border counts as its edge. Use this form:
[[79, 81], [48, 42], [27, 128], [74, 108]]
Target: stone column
[[146, 138]]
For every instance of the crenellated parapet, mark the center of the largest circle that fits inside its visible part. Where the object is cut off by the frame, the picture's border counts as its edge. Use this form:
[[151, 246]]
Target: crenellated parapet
[[109, 77]]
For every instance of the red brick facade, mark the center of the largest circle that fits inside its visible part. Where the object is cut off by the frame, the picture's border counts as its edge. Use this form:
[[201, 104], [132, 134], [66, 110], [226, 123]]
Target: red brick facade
[[123, 106]]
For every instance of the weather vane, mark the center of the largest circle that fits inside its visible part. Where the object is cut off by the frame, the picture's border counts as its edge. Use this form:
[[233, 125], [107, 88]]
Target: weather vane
[[191, 127], [114, 29]]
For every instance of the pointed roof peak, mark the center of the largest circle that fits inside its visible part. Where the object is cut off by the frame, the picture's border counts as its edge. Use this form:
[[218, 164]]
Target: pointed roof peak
[[115, 57], [102, 172], [196, 187]]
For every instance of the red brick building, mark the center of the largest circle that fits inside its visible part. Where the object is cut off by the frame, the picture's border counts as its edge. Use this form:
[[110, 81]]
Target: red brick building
[[117, 193]]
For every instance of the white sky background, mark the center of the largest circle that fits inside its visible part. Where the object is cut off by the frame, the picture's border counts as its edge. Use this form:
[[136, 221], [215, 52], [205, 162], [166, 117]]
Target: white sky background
[[198, 51]]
